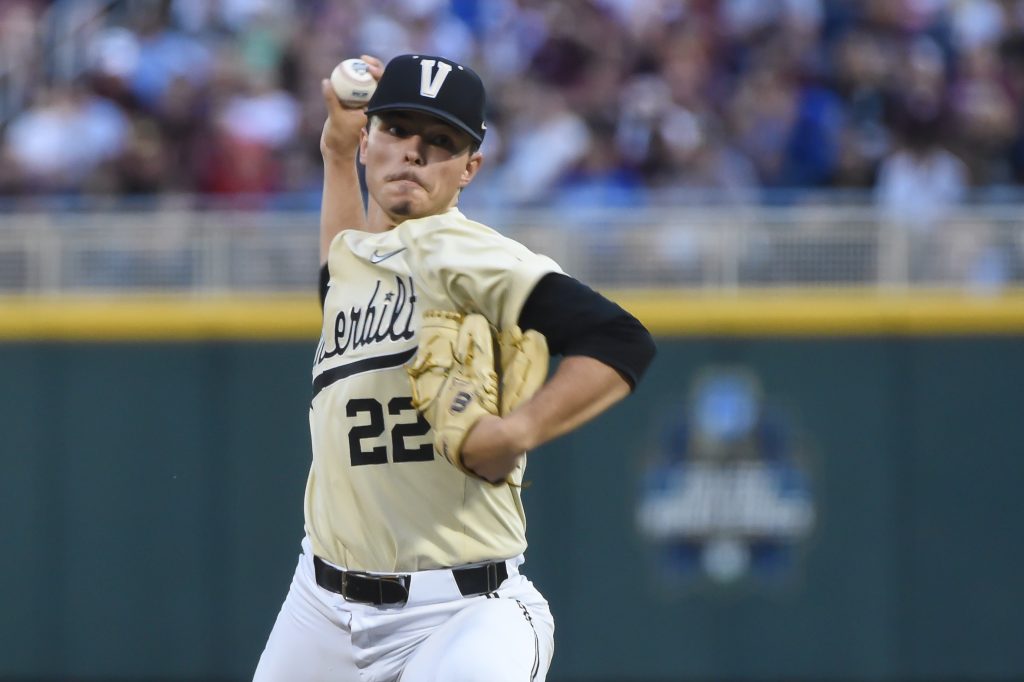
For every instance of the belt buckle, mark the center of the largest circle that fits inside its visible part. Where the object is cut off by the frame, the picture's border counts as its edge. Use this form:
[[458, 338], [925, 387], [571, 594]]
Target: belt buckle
[[402, 581]]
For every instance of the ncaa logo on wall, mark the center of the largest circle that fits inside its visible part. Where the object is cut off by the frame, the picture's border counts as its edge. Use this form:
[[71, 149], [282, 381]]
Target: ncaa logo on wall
[[726, 494]]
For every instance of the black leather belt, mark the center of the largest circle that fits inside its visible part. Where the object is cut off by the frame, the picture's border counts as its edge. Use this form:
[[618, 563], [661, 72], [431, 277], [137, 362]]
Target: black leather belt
[[380, 590]]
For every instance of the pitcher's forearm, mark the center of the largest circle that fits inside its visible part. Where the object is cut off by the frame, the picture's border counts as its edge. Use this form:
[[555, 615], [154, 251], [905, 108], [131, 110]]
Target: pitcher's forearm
[[581, 389], [342, 204]]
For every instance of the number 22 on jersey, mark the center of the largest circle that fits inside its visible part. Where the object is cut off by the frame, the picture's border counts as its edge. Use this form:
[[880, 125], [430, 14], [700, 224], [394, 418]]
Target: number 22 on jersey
[[402, 434]]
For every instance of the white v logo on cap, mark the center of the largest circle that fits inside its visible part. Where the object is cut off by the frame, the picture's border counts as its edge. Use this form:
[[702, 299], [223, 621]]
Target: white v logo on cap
[[430, 83]]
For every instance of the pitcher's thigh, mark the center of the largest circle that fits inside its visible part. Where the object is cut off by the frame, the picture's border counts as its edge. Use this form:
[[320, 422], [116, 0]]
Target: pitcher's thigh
[[493, 640], [307, 644]]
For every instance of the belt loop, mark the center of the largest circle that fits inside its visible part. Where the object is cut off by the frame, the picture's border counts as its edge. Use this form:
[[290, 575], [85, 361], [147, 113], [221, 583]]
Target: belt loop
[[492, 577]]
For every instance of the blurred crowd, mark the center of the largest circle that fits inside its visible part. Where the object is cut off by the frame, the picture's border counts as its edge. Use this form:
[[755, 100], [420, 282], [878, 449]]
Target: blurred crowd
[[605, 101]]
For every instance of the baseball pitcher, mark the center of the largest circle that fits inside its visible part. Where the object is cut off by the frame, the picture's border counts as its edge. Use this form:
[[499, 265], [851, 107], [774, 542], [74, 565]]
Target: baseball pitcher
[[429, 385]]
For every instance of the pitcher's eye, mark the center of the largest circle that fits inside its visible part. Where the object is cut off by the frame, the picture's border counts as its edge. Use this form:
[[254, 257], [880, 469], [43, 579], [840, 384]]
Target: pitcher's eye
[[444, 142]]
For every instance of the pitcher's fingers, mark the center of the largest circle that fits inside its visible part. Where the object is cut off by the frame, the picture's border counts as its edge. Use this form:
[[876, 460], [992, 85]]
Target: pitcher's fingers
[[376, 65], [334, 107]]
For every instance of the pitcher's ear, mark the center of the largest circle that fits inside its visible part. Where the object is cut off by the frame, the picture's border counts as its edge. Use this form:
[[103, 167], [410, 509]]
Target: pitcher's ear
[[473, 164], [363, 137]]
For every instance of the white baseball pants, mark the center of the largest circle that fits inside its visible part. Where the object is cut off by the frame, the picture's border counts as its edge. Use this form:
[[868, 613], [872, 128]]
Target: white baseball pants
[[439, 635]]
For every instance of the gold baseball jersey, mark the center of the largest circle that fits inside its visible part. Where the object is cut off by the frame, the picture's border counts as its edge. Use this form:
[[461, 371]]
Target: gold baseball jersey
[[378, 498]]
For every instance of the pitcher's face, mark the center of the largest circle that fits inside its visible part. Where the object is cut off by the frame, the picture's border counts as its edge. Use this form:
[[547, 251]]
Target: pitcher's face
[[415, 163]]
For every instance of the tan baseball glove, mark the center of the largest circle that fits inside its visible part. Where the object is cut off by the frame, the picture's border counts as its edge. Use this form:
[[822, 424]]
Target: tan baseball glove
[[454, 382], [524, 365], [455, 375]]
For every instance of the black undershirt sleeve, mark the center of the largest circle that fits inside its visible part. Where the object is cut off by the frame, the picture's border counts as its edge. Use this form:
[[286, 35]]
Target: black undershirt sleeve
[[576, 320], [325, 277]]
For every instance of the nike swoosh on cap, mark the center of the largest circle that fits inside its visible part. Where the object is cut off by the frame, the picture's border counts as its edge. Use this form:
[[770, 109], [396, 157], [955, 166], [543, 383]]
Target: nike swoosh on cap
[[378, 257]]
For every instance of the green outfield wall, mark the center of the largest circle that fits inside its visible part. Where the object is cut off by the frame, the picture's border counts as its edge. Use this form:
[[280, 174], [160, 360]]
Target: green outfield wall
[[151, 494]]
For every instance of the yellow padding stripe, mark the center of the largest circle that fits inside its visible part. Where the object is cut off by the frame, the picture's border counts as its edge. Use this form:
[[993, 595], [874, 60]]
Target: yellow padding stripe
[[159, 318], [864, 312]]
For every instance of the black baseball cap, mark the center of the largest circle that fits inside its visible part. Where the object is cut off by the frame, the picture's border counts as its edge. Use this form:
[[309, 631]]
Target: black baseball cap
[[450, 91]]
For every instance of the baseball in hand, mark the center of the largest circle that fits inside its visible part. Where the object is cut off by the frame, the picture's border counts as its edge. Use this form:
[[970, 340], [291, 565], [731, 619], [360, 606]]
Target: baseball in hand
[[353, 83]]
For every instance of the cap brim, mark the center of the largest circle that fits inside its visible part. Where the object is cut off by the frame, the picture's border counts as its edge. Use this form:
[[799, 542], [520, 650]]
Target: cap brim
[[433, 111]]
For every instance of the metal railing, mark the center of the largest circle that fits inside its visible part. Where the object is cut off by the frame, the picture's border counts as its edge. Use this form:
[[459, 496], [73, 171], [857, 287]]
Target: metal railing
[[722, 248]]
